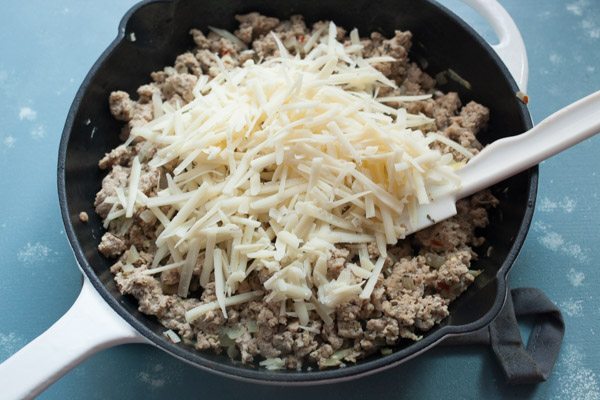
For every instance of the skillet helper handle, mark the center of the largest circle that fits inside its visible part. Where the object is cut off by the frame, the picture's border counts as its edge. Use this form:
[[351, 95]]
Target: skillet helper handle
[[510, 48], [90, 325], [520, 364], [509, 156]]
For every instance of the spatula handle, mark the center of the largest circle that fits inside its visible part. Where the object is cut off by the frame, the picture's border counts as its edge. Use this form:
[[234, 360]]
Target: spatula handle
[[509, 156]]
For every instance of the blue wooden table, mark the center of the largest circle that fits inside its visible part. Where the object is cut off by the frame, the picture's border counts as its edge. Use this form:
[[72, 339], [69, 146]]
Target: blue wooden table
[[47, 47]]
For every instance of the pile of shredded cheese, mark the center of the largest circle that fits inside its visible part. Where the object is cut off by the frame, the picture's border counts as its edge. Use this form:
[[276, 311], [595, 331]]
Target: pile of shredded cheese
[[275, 163]]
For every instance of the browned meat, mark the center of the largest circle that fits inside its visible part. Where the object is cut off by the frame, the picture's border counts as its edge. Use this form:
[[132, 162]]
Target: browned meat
[[257, 24], [121, 106], [421, 275], [445, 108], [120, 155], [187, 63], [474, 117], [417, 81], [111, 246], [337, 262], [181, 85]]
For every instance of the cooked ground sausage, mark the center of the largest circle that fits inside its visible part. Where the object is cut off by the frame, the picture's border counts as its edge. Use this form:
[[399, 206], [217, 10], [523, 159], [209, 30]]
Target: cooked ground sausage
[[421, 275]]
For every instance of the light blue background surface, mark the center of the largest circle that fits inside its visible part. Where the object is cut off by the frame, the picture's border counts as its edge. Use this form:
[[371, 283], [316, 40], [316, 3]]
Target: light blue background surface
[[46, 48]]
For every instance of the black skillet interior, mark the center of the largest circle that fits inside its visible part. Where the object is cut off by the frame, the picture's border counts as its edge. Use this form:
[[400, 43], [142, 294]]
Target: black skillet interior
[[161, 31]]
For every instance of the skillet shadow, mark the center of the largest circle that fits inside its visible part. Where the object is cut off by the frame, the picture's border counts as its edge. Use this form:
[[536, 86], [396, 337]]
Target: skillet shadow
[[443, 372]]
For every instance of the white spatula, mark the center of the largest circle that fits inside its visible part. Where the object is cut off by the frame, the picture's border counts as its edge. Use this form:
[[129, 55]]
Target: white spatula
[[509, 156]]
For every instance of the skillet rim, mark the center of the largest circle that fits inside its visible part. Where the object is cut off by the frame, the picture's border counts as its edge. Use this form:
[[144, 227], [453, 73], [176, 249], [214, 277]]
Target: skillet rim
[[194, 357]]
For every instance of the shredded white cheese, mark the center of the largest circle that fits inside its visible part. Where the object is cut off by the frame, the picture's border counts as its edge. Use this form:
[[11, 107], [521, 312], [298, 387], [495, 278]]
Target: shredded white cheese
[[276, 162], [172, 336], [197, 312], [134, 183], [366, 292]]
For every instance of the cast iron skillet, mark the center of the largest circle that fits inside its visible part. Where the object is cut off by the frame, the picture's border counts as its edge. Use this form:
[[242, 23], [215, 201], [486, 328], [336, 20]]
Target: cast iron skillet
[[161, 31]]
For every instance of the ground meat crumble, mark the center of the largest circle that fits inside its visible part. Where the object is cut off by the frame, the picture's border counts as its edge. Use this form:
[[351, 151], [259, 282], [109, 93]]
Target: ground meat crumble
[[421, 275]]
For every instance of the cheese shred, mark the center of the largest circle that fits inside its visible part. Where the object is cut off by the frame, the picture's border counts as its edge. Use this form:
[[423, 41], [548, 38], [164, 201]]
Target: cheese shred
[[273, 163]]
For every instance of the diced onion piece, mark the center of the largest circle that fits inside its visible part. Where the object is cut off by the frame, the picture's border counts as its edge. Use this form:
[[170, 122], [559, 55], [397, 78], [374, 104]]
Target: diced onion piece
[[229, 36], [127, 268], [273, 364]]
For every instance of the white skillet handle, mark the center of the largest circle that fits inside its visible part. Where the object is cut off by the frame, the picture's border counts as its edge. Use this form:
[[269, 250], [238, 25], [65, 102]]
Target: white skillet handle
[[511, 48], [509, 156], [90, 325]]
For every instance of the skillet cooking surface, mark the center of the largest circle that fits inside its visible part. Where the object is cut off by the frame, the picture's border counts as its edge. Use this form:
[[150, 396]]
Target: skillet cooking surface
[[161, 30]]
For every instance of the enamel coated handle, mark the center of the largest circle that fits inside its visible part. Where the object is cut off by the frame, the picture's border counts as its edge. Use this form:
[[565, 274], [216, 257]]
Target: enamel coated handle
[[511, 48], [90, 325], [509, 156]]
